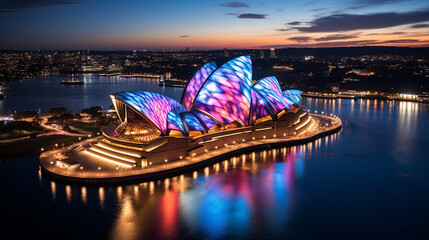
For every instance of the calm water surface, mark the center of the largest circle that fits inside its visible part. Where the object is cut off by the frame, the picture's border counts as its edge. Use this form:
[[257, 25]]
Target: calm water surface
[[370, 181]]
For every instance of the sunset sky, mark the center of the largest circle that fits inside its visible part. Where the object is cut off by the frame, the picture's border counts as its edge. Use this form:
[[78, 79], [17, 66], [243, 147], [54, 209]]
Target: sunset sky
[[161, 24]]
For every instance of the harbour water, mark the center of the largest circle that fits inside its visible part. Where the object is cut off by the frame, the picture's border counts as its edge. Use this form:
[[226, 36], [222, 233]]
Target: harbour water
[[369, 181]]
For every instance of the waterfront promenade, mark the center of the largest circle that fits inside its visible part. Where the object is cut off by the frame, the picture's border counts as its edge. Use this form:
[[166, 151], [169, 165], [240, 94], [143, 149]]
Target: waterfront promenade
[[91, 169]]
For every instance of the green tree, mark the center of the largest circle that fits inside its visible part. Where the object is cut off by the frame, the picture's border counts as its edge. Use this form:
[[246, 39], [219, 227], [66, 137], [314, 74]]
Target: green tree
[[58, 111], [26, 115]]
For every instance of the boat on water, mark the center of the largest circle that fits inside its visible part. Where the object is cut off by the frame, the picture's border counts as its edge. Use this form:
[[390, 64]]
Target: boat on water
[[72, 82], [172, 83]]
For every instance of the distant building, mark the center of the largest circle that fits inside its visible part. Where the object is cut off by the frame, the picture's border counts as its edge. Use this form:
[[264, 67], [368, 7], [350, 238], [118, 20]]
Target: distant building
[[334, 87], [167, 75], [272, 53], [113, 68], [262, 54], [225, 52]]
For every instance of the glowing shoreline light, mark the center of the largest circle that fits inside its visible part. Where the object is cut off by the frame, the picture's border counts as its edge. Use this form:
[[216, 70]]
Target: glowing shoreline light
[[213, 96]]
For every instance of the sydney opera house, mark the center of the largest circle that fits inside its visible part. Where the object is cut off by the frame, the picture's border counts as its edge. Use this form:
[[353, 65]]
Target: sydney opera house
[[220, 107]]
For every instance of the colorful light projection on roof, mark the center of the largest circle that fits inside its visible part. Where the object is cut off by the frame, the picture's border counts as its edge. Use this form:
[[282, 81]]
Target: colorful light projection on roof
[[212, 97], [269, 89], [226, 95], [174, 122], [192, 122], [195, 83], [153, 106], [259, 107], [205, 119], [292, 95]]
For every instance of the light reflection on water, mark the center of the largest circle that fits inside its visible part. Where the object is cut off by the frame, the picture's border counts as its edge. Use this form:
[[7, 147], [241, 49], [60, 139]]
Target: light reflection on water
[[377, 163], [258, 192]]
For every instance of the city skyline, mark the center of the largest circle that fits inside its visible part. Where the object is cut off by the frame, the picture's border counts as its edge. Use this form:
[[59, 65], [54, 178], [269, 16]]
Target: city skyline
[[165, 25]]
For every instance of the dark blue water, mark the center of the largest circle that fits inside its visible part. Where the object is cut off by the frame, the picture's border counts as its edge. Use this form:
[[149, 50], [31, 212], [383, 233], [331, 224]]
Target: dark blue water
[[370, 181], [45, 92]]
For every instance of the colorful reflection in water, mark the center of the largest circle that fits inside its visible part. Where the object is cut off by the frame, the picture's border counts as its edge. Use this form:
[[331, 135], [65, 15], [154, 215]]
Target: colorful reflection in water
[[258, 193], [375, 164]]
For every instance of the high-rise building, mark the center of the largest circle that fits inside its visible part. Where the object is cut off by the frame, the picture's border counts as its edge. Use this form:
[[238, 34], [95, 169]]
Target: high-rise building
[[262, 54], [225, 52], [272, 53]]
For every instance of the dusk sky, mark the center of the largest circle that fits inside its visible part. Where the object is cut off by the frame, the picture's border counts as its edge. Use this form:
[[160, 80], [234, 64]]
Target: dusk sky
[[161, 24]]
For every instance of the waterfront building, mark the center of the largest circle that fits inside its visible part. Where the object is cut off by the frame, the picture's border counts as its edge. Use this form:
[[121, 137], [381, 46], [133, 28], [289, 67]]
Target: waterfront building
[[220, 106]]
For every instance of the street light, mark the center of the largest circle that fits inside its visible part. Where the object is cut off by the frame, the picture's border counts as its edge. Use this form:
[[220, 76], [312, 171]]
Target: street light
[[166, 161], [99, 173], [150, 166], [181, 160]]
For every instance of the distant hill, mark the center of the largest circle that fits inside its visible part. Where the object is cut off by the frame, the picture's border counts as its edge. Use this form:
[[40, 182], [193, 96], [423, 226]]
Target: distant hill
[[353, 51]]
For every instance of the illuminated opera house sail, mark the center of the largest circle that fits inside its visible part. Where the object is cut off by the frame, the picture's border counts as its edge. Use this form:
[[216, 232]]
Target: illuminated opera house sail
[[218, 103]]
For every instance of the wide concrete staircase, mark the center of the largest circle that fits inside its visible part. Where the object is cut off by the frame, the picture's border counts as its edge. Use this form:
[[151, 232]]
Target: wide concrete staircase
[[122, 156]]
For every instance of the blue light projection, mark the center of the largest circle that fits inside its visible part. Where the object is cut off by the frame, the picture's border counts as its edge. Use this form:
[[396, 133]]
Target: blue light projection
[[269, 88], [259, 107], [155, 107], [192, 122], [205, 119], [292, 95], [195, 84], [174, 120], [226, 95]]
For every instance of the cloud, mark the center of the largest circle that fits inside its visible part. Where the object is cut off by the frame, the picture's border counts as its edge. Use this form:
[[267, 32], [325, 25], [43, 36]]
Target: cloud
[[345, 43], [400, 41], [252, 15], [184, 36], [318, 9], [9, 6], [234, 5], [371, 3], [349, 22], [294, 23], [326, 44], [335, 37], [283, 29], [232, 14], [392, 33], [300, 39], [421, 25]]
